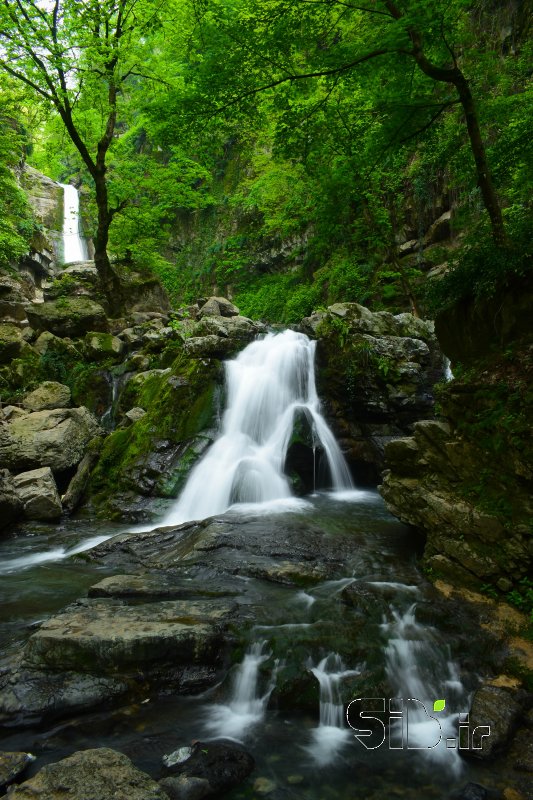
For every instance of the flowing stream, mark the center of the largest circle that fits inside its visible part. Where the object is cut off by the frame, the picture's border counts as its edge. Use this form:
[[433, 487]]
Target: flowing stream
[[351, 627], [74, 247]]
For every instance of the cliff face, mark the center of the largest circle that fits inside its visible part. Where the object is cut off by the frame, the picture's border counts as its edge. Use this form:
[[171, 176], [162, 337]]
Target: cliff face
[[467, 480]]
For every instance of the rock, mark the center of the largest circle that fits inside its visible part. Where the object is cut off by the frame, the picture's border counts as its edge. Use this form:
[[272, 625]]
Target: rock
[[132, 416], [48, 343], [76, 488], [103, 346], [218, 307], [207, 347], [56, 438], [498, 709], [37, 492], [11, 412], [28, 697], [223, 764], [186, 788], [177, 756], [48, 395], [12, 765], [12, 344], [440, 230], [98, 774], [68, 316], [264, 786], [101, 636], [471, 791], [10, 502]]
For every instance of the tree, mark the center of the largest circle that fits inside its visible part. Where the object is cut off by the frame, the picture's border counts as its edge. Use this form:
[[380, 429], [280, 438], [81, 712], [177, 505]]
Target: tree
[[279, 41], [79, 56]]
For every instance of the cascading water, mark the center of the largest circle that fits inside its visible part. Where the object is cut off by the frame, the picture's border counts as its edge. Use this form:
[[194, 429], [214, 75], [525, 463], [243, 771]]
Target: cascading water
[[419, 669], [247, 707], [268, 383], [74, 248], [332, 733]]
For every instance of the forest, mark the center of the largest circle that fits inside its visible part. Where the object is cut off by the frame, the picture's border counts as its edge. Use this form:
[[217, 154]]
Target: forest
[[266, 466]]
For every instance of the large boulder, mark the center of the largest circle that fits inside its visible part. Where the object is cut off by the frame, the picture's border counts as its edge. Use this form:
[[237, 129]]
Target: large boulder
[[13, 764], [68, 316], [10, 502], [37, 492], [56, 438], [103, 347], [98, 774], [12, 344], [218, 307], [47, 396], [210, 768]]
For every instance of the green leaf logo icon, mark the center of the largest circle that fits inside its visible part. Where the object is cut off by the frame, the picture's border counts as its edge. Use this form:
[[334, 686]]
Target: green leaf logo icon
[[439, 705]]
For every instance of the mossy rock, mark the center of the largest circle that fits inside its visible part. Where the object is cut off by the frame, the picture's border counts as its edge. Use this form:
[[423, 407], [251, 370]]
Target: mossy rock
[[11, 342], [69, 316], [153, 457]]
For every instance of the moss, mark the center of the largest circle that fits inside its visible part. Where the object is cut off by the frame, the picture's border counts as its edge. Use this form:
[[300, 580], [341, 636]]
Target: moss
[[180, 404]]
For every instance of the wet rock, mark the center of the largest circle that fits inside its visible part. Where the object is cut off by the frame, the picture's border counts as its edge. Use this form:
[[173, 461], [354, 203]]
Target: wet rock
[[101, 636], [56, 438], [218, 307], [28, 697], [264, 786], [12, 765], [186, 787], [68, 316], [47, 396], [471, 791], [10, 502], [97, 774], [103, 347], [497, 708], [222, 764], [37, 492]]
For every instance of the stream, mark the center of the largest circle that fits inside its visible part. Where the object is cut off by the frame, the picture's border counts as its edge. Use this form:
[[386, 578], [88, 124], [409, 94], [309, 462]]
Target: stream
[[331, 607]]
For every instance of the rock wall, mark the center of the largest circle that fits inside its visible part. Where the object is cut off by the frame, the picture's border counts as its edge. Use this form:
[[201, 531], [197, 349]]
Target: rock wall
[[467, 480], [375, 374]]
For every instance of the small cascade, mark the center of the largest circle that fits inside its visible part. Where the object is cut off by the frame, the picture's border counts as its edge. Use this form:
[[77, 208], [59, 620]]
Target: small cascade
[[448, 374], [268, 383], [247, 705], [332, 733], [420, 671], [45, 556], [74, 247]]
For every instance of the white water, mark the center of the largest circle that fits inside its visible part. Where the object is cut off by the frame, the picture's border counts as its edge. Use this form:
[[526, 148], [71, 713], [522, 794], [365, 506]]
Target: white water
[[57, 554], [247, 706], [73, 245], [267, 384], [419, 668], [332, 734]]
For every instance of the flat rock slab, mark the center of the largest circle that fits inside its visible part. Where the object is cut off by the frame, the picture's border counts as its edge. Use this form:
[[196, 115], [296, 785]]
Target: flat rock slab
[[158, 586], [99, 774], [102, 636], [12, 765]]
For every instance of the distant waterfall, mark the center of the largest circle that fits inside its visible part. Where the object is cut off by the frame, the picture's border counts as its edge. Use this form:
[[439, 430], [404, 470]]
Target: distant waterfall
[[268, 383], [74, 248]]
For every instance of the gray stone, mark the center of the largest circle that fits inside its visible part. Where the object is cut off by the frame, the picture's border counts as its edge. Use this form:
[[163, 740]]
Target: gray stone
[[98, 774], [10, 502], [132, 416], [48, 395], [103, 346], [103, 635], [218, 307], [56, 438], [37, 492], [495, 707], [207, 347], [186, 787], [68, 316], [13, 764]]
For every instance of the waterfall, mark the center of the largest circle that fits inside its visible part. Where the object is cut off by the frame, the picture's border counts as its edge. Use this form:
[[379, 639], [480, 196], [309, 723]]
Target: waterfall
[[332, 733], [74, 248], [247, 706], [267, 384], [420, 671]]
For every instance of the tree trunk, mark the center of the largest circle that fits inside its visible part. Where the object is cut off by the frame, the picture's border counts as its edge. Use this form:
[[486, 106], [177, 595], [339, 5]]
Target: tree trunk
[[109, 280], [484, 178]]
